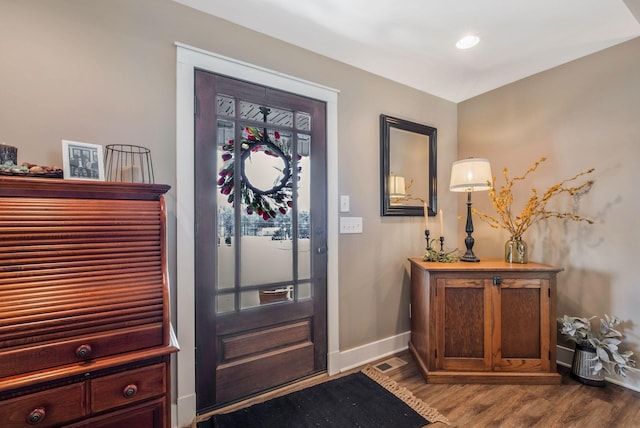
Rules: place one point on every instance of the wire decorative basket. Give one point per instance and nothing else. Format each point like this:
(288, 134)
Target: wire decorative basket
(128, 163)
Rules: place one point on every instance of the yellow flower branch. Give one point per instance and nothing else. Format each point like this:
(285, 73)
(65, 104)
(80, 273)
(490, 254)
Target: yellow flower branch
(536, 207)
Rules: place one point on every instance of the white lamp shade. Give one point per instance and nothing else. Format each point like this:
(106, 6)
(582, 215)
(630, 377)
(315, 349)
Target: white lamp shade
(470, 175)
(396, 186)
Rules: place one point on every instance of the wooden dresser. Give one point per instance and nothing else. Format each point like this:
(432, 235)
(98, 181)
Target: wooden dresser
(84, 305)
(486, 322)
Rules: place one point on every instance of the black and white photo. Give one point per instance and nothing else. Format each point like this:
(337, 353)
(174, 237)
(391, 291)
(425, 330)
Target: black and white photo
(82, 161)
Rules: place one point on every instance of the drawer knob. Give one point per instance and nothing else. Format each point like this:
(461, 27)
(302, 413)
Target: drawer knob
(36, 416)
(83, 351)
(129, 391)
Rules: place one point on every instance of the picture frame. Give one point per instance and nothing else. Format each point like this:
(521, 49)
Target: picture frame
(82, 161)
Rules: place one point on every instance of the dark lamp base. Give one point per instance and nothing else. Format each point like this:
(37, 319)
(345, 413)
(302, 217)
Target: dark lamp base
(469, 258)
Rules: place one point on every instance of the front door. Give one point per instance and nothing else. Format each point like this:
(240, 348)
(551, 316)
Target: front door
(260, 203)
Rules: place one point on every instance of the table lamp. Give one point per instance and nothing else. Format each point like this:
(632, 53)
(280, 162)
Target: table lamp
(470, 175)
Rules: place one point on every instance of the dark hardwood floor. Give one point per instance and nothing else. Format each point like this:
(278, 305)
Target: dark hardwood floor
(568, 405)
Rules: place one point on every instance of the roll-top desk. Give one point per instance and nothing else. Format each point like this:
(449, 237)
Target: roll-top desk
(84, 304)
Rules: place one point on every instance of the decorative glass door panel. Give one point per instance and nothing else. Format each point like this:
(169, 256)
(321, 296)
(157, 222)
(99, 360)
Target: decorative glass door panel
(264, 188)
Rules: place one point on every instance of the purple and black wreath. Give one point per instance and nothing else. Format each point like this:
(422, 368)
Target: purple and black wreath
(265, 203)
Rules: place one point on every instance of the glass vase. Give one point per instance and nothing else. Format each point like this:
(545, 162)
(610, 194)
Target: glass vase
(515, 250)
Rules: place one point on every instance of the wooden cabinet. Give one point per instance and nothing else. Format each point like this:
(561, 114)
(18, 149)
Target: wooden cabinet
(489, 322)
(84, 307)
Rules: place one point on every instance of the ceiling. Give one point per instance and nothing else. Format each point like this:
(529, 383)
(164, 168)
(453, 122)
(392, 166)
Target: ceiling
(413, 41)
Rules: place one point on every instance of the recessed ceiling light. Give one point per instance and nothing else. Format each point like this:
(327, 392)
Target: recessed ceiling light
(467, 42)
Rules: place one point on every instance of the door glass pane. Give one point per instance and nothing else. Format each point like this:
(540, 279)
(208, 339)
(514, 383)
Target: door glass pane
(225, 106)
(267, 246)
(225, 303)
(303, 121)
(304, 291)
(225, 220)
(251, 111)
(276, 295)
(304, 206)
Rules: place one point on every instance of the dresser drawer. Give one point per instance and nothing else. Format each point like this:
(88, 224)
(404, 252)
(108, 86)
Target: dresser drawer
(80, 349)
(44, 409)
(121, 389)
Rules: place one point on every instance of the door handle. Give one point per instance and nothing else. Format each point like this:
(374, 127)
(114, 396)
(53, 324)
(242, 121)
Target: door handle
(322, 249)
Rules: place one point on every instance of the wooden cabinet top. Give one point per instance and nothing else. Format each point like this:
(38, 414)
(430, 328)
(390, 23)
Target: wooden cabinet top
(483, 265)
(81, 189)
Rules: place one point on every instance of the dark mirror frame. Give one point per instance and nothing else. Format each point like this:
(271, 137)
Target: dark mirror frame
(386, 209)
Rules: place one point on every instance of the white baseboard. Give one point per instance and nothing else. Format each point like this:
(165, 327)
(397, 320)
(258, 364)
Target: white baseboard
(351, 358)
(174, 416)
(183, 413)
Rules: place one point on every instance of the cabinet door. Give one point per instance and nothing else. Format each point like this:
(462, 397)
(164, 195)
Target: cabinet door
(521, 339)
(463, 324)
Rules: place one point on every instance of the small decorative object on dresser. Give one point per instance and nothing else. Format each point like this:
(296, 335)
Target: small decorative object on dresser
(8, 153)
(128, 163)
(594, 352)
(533, 211)
(85, 336)
(82, 161)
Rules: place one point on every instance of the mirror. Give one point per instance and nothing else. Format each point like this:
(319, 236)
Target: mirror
(407, 167)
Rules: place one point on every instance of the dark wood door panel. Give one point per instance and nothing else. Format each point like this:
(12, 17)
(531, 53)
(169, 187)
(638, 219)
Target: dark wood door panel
(245, 377)
(463, 324)
(235, 323)
(520, 323)
(524, 335)
(264, 340)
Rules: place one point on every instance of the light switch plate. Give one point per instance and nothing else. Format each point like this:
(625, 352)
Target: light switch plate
(350, 225)
(344, 203)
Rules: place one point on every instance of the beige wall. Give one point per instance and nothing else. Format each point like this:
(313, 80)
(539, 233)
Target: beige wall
(104, 71)
(580, 115)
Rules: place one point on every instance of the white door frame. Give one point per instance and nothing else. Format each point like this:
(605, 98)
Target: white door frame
(189, 58)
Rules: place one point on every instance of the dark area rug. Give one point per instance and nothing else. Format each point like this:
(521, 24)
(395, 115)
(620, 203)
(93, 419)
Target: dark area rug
(365, 399)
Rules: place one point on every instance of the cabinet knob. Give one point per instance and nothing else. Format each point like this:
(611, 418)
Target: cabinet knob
(497, 280)
(83, 351)
(36, 416)
(129, 391)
